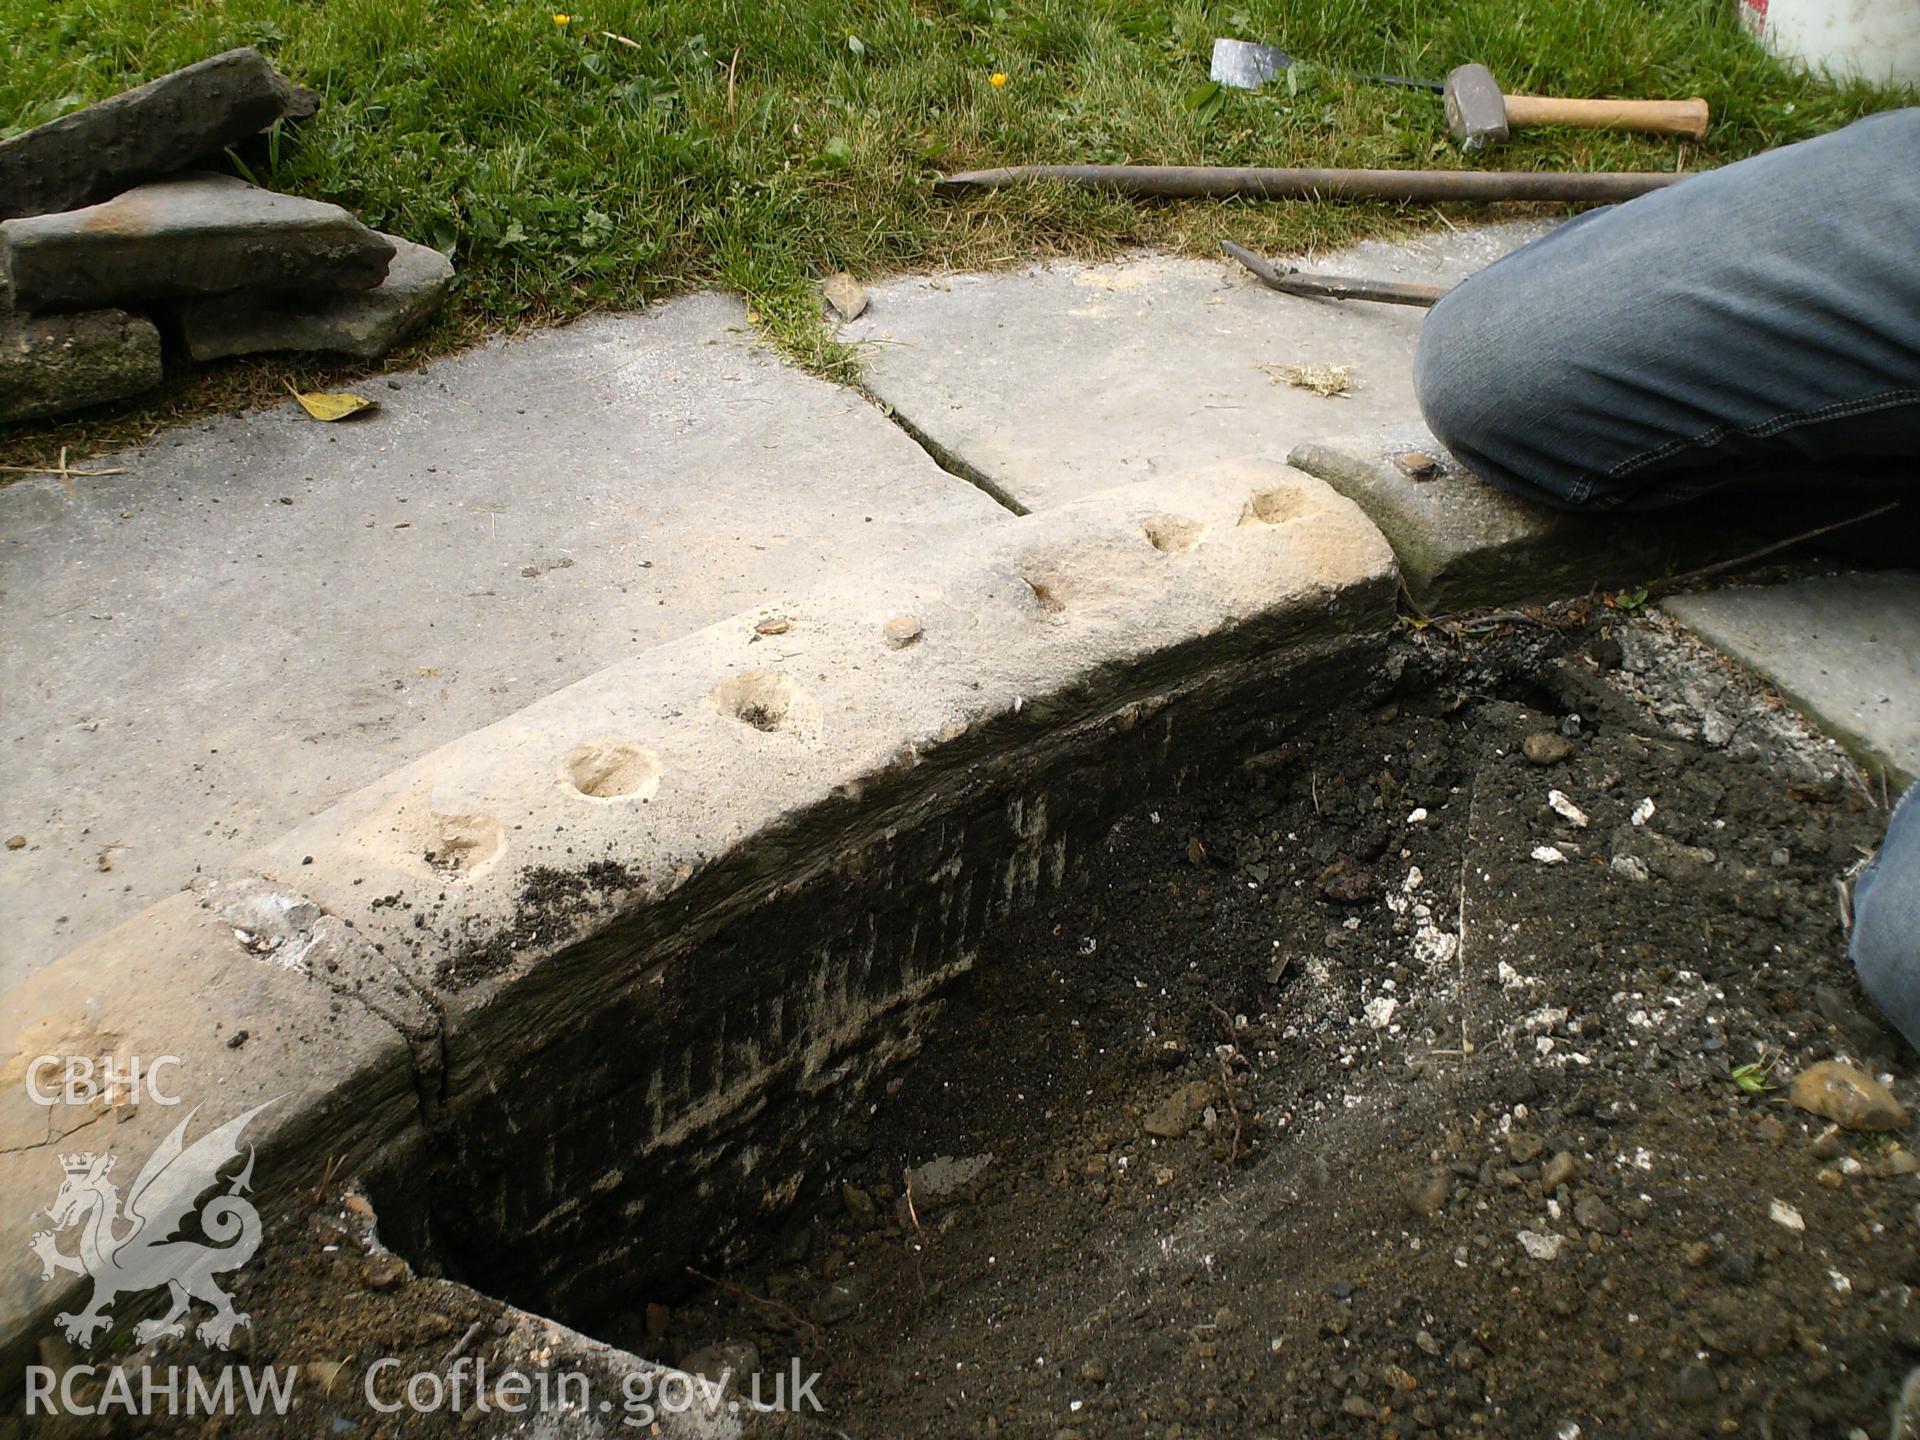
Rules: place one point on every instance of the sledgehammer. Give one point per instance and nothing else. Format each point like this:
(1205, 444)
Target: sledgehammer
(1478, 113)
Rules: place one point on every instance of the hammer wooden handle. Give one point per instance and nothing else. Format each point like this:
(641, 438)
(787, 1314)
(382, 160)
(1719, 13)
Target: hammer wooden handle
(1649, 117)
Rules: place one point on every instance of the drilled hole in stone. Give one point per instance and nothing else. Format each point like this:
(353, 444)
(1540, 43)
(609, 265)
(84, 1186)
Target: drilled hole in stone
(461, 844)
(1172, 533)
(1276, 505)
(768, 701)
(611, 770)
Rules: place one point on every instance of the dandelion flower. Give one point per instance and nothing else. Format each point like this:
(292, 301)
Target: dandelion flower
(998, 79)
(563, 19)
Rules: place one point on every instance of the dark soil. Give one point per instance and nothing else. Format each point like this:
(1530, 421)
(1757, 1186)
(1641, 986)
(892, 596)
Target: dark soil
(1335, 1244)
(1281, 1091)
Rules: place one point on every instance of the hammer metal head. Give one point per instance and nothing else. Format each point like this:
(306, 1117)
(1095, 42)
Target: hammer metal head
(1476, 110)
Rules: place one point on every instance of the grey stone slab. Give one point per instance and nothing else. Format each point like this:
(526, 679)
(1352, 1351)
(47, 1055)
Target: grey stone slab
(1463, 544)
(191, 235)
(53, 364)
(266, 612)
(361, 323)
(1061, 380)
(1843, 648)
(165, 125)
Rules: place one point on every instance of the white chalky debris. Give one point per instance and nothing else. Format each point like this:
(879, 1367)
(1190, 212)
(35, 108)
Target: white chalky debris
(1633, 867)
(1782, 1213)
(1548, 855)
(1542, 1246)
(1568, 811)
(1417, 815)
(1379, 1011)
(1642, 812)
(1841, 1284)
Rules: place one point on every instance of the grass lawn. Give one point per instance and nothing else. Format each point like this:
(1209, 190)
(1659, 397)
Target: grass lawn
(627, 150)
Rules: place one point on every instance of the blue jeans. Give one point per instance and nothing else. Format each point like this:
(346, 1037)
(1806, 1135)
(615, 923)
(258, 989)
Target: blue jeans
(1759, 323)
(1886, 922)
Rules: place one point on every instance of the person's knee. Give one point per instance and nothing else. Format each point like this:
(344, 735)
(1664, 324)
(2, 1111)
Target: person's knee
(1496, 375)
(1472, 378)
(1448, 379)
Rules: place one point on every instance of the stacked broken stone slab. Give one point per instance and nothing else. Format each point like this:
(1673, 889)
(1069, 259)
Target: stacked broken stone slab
(108, 239)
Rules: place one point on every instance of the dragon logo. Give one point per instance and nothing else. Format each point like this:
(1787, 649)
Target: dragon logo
(140, 1250)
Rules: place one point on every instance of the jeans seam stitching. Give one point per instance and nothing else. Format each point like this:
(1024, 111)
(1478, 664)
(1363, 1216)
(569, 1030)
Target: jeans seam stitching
(1766, 429)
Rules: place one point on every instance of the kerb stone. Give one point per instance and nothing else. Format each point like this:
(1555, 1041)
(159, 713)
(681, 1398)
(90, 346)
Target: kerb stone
(1463, 544)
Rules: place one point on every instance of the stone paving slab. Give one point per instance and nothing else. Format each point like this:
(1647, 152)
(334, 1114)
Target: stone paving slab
(265, 613)
(1061, 380)
(1844, 648)
(1463, 544)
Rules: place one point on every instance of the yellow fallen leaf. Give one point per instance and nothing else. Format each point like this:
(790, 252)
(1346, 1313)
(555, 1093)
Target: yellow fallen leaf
(333, 407)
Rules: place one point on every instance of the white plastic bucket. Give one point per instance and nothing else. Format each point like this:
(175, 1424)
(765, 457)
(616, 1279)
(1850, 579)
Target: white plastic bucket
(1877, 40)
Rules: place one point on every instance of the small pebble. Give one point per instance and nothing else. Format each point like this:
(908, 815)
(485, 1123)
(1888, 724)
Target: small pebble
(1564, 807)
(1633, 868)
(1524, 1147)
(1848, 1096)
(1541, 1246)
(1560, 1169)
(1546, 747)
(1782, 1213)
(1695, 1385)
(1590, 1212)
(847, 296)
(901, 631)
(1428, 1193)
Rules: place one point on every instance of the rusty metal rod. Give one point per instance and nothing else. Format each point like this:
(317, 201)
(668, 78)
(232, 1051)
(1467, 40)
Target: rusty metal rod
(1334, 287)
(1224, 182)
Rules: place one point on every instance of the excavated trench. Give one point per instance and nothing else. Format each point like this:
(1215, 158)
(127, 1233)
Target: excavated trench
(686, 1117)
(1244, 1068)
